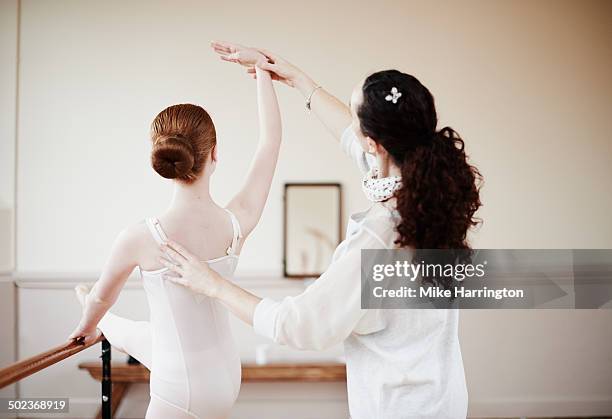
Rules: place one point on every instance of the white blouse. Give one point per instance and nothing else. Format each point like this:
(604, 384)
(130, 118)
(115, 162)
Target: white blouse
(400, 363)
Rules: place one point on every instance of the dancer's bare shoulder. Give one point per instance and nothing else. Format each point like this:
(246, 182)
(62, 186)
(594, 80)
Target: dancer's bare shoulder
(131, 241)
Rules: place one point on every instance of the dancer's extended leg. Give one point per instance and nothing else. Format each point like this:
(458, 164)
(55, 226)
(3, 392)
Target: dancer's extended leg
(129, 336)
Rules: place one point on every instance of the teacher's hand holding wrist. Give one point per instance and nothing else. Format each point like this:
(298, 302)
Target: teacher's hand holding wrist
(281, 69)
(193, 274)
(286, 72)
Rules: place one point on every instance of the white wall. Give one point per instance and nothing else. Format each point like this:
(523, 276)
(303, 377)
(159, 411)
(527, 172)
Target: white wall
(531, 99)
(8, 94)
(526, 83)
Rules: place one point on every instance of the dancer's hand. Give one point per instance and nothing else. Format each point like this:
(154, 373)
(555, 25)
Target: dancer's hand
(84, 336)
(195, 275)
(236, 53)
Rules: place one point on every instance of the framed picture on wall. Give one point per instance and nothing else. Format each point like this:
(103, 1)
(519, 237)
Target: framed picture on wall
(312, 227)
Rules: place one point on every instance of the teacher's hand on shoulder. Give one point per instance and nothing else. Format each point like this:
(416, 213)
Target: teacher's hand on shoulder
(193, 274)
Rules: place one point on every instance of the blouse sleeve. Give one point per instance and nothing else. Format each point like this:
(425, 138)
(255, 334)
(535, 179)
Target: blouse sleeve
(351, 147)
(327, 311)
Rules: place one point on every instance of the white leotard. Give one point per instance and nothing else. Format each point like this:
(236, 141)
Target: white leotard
(187, 344)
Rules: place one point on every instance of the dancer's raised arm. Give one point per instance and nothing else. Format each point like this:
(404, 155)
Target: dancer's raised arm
(249, 202)
(332, 112)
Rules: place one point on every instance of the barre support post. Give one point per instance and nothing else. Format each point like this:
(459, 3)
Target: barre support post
(106, 380)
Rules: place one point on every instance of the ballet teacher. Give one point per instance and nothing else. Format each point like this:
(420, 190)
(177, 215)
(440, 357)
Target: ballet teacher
(424, 193)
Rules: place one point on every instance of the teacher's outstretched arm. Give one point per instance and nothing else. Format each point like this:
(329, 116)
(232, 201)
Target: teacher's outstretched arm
(332, 112)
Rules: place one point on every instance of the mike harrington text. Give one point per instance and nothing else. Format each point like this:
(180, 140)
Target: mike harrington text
(457, 292)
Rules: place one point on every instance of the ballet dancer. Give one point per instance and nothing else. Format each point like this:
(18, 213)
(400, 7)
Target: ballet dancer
(187, 343)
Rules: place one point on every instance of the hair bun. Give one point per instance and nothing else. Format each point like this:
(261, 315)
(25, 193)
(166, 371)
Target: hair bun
(172, 156)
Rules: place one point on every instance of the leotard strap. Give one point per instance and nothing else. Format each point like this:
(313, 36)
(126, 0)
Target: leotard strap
(156, 230)
(160, 236)
(237, 233)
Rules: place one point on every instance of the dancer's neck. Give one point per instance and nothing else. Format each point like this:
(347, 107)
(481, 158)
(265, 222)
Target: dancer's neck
(196, 194)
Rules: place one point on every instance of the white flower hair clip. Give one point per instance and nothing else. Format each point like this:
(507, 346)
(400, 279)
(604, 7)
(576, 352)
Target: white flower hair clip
(394, 96)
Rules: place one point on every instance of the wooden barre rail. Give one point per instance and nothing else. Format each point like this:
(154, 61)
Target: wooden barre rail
(251, 373)
(29, 366)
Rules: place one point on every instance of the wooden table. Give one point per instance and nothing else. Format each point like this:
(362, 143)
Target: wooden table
(123, 375)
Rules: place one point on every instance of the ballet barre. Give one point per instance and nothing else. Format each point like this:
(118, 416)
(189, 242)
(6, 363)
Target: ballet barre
(24, 368)
(29, 366)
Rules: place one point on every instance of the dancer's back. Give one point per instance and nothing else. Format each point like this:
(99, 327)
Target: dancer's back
(195, 364)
